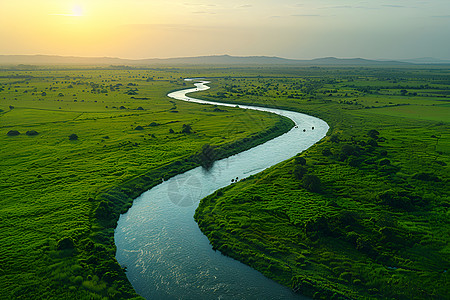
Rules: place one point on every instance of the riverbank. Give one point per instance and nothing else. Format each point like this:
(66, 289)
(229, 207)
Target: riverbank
(117, 201)
(359, 215)
(161, 243)
(52, 244)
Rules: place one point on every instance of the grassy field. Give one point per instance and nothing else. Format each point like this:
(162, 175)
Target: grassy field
(61, 197)
(365, 212)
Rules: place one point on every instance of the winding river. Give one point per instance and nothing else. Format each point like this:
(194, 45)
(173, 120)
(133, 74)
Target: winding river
(166, 254)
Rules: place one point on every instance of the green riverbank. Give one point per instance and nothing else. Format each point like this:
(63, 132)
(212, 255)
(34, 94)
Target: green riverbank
(363, 214)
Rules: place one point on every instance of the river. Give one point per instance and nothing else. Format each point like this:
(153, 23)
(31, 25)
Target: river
(164, 251)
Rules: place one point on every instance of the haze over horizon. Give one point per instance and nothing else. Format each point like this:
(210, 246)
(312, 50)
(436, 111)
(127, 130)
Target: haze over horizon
(295, 29)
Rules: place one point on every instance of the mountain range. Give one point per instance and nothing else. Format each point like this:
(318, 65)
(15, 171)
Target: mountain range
(208, 60)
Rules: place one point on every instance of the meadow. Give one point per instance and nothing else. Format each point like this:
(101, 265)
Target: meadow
(363, 214)
(76, 147)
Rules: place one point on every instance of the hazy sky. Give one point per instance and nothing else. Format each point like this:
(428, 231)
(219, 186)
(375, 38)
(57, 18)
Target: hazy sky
(172, 28)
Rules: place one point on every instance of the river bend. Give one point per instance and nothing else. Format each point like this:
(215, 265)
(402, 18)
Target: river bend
(166, 254)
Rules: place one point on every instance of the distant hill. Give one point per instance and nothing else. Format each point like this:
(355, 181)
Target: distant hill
(57, 60)
(426, 60)
(204, 60)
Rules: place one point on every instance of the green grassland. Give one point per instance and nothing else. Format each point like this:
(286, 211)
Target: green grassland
(365, 212)
(60, 198)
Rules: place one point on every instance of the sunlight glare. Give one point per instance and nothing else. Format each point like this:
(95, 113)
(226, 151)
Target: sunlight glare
(77, 11)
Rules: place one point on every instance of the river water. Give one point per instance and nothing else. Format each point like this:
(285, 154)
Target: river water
(166, 254)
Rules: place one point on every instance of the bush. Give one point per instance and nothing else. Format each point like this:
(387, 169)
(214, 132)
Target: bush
(299, 171)
(312, 183)
(139, 128)
(326, 152)
(186, 129)
(347, 149)
(73, 137)
(65, 243)
(395, 200)
(373, 134)
(207, 156)
(385, 162)
(300, 160)
(426, 177)
(13, 133)
(372, 143)
(334, 138)
(32, 132)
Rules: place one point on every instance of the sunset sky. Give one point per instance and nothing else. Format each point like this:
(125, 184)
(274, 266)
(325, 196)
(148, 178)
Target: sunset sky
(287, 28)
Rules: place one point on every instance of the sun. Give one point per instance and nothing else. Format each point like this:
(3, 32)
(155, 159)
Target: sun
(77, 11)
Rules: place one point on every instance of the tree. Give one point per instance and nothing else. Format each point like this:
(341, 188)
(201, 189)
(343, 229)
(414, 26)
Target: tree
(73, 137)
(373, 134)
(65, 243)
(186, 128)
(207, 156)
(32, 132)
(326, 152)
(300, 160)
(299, 171)
(13, 133)
(311, 183)
(334, 138)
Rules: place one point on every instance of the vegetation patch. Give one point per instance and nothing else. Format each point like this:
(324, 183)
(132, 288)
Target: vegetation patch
(61, 198)
(363, 214)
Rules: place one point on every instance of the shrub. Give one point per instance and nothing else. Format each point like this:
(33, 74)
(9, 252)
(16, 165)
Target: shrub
(207, 156)
(385, 162)
(372, 143)
(373, 134)
(326, 152)
(299, 171)
(32, 132)
(426, 177)
(395, 199)
(311, 183)
(300, 160)
(66, 243)
(13, 133)
(78, 280)
(334, 138)
(347, 149)
(353, 161)
(186, 129)
(73, 137)
(139, 128)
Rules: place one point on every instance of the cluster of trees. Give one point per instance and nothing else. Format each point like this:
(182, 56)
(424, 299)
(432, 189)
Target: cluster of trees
(301, 172)
(16, 133)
